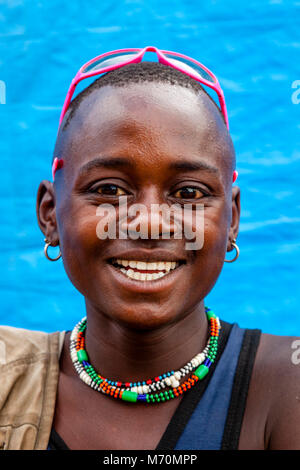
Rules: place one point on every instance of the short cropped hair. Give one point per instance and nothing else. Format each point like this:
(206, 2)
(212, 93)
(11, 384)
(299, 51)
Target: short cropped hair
(138, 73)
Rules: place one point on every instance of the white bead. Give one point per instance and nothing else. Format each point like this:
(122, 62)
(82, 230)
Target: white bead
(168, 381)
(174, 382)
(74, 356)
(145, 389)
(85, 377)
(177, 375)
(201, 357)
(140, 390)
(73, 335)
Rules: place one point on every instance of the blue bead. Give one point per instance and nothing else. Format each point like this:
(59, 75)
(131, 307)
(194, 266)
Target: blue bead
(207, 362)
(142, 397)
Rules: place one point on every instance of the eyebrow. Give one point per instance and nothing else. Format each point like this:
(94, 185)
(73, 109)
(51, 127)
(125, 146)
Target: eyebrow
(119, 162)
(187, 165)
(105, 162)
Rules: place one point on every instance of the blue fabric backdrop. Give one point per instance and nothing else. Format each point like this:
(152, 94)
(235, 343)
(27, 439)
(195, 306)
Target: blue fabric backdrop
(254, 49)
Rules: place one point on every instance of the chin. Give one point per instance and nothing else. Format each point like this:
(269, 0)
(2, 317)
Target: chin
(143, 319)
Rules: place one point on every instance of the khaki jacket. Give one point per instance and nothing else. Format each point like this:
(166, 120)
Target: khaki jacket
(29, 370)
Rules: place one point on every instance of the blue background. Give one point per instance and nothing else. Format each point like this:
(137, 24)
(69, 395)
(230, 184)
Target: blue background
(254, 49)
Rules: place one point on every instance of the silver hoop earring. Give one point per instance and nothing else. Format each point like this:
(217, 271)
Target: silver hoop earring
(237, 252)
(47, 244)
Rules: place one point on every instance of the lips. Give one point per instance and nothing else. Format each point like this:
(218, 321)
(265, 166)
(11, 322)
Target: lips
(145, 270)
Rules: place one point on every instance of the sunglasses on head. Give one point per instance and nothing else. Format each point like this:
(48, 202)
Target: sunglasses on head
(119, 58)
(115, 59)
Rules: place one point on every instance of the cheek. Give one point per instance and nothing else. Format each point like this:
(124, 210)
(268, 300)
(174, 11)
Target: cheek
(216, 236)
(79, 244)
(213, 235)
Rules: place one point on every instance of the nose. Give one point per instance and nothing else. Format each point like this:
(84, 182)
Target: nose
(151, 218)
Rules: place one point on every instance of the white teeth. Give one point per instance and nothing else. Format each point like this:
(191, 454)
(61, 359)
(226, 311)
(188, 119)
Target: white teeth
(153, 276)
(141, 265)
(124, 262)
(130, 273)
(136, 276)
(151, 266)
(163, 268)
(132, 264)
(168, 265)
(160, 265)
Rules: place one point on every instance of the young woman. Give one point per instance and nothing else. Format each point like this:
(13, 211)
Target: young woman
(151, 366)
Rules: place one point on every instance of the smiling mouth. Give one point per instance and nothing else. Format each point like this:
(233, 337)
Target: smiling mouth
(145, 271)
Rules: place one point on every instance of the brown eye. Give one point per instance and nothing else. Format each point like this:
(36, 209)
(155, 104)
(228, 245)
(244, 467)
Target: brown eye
(189, 193)
(110, 190)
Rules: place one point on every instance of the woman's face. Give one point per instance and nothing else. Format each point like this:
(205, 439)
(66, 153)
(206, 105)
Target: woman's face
(153, 144)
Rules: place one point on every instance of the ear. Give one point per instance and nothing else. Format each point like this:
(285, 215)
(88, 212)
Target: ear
(235, 220)
(46, 211)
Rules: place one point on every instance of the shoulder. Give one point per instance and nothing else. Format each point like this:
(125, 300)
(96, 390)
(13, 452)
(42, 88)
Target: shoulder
(19, 344)
(29, 371)
(276, 381)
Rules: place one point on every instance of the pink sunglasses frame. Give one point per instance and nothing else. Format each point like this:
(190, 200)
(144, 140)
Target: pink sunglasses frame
(138, 58)
(80, 75)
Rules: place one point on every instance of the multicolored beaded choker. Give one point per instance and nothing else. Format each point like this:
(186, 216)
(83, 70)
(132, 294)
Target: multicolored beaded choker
(168, 384)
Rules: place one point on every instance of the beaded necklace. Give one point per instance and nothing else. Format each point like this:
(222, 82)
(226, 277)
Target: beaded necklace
(144, 391)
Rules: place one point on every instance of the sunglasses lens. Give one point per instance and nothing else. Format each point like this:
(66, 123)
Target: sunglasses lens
(189, 67)
(108, 61)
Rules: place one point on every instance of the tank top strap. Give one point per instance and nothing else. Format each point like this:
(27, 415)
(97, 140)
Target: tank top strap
(210, 417)
(235, 414)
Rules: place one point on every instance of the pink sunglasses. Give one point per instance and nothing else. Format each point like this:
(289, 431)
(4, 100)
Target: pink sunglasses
(119, 58)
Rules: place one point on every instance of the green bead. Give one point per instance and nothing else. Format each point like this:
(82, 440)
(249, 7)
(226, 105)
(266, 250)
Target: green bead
(210, 314)
(127, 395)
(82, 355)
(201, 371)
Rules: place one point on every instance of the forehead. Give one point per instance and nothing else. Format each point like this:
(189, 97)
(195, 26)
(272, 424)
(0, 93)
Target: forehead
(148, 119)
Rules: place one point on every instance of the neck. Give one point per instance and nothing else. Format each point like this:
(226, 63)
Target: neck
(119, 352)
